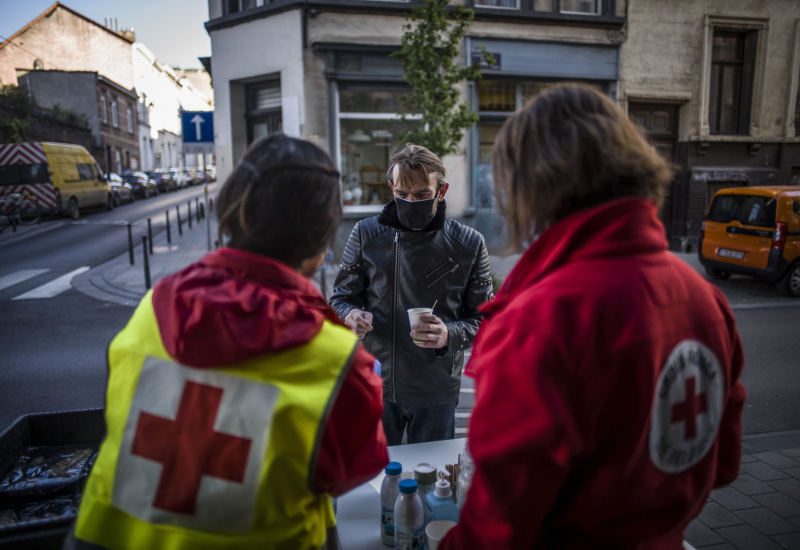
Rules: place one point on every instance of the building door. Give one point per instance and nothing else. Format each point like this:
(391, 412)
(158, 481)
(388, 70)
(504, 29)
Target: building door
(660, 124)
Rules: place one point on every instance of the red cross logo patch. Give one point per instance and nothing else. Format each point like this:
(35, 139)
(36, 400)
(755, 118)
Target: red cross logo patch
(687, 407)
(193, 447)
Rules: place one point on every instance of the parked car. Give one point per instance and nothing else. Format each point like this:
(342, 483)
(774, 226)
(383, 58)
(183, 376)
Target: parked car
(192, 178)
(121, 189)
(143, 187)
(164, 181)
(177, 175)
(211, 172)
(754, 231)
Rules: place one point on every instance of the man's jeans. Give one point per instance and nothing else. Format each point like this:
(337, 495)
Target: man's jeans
(423, 423)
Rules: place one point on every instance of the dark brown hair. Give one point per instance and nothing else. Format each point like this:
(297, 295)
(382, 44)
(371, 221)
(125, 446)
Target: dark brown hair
(571, 148)
(415, 159)
(283, 201)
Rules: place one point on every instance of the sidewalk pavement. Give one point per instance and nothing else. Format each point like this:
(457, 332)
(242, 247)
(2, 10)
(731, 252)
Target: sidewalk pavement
(759, 511)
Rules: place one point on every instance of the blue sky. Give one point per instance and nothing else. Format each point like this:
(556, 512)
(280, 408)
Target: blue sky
(172, 29)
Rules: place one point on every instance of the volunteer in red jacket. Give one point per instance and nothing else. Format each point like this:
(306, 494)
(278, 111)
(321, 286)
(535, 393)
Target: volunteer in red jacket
(608, 402)
(238, 403)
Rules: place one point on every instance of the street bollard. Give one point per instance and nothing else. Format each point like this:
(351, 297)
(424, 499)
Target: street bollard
(169, 234)
(178, 214)
(130, 243)
(150, 236)
(146, 263)
(189, 216)
(197, 208)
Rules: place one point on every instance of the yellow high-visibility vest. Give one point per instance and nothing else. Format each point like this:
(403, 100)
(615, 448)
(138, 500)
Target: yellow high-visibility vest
(212, 458)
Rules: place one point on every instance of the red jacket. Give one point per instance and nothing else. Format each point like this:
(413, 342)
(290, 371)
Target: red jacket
(233, 305)
(607, 396)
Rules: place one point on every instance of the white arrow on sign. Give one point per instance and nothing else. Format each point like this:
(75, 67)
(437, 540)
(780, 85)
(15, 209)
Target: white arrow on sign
(197, 120)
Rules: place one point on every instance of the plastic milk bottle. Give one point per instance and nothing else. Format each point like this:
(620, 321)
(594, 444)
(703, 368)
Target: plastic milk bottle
(409, 519)
(390, 488)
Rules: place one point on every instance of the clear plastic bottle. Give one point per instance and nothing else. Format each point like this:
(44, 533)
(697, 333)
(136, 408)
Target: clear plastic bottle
(440, 502)
(390, 488)
(409, 519)
(465, 471)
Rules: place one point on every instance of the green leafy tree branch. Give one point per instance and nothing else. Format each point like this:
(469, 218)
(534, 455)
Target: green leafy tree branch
(429, 49)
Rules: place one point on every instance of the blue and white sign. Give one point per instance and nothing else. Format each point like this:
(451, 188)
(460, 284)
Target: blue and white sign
(198, 132)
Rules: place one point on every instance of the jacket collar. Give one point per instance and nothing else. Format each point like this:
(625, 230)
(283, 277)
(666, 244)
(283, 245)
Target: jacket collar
(232, 305)
(389, 217)
(624, 227)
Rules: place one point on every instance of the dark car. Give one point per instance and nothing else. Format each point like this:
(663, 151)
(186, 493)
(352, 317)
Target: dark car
(142, 185)
(164, 181)
(121, 190)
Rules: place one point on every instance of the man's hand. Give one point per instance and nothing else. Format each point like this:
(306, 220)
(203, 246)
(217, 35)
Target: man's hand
(359, 322)
(431, 330)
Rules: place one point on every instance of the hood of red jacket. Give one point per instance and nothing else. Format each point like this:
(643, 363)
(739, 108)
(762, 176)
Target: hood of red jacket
(233, 305)
(620, 228)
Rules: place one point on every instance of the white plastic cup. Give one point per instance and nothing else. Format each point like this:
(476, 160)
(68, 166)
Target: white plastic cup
(413, 317)
(436, 530)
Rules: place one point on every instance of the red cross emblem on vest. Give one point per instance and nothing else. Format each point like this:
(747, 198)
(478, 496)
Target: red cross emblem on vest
(189, 448)
(688, 410)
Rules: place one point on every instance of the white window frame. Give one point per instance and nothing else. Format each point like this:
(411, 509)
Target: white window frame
(104, 107)
(114, 112)
(761, 27)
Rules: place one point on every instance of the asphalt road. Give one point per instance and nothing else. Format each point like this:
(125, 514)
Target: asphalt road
(52, 348)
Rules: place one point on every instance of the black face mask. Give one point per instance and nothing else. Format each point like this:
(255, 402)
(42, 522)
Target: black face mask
(415, 214)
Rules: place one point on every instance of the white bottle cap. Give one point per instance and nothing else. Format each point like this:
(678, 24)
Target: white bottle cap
(443, 489)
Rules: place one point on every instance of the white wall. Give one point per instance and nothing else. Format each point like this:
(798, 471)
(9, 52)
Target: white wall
(252, 50)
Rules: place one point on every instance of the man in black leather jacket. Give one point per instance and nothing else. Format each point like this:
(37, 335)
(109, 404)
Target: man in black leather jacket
(411, 256)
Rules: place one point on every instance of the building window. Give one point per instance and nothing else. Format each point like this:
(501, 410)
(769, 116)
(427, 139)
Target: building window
(235, 6)
(118, 161)
(506, 4)
(130, 120)
(368, 127)
(114, 112)
(104, 107)
(731, 91)
(797, 107)
(584, 7)
(263, 109)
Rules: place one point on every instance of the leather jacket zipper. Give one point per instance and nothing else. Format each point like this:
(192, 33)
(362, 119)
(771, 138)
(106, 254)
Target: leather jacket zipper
(394, 315)
(449, 260)
(443, 275)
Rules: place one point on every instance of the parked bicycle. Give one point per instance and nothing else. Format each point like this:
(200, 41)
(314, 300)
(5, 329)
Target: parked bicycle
(18, 211)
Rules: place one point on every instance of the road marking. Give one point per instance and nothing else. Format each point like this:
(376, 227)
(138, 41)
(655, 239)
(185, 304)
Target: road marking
(467, 390)
(463, 415)
(19, 276)
(463, 431)
(54, 287)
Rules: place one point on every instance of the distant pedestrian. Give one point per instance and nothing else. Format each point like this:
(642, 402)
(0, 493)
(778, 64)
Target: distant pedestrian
(238, 403)
(608, 401)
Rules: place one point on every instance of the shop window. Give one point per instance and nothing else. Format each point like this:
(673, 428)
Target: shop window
(369, 129)
(497, 96)
(263, 109)
(732, 68)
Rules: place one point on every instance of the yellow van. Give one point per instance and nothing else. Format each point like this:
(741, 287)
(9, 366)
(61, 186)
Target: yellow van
(62, 178)
(754, 231)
